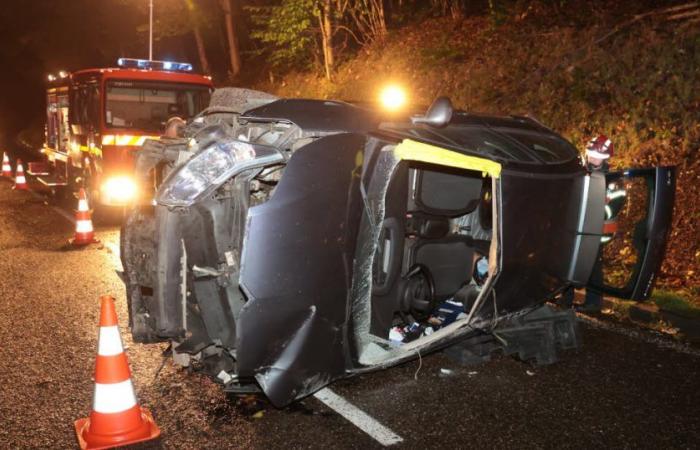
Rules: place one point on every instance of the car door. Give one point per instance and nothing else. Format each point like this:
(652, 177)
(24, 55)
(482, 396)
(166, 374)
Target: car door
(638, 213)
(296, 271)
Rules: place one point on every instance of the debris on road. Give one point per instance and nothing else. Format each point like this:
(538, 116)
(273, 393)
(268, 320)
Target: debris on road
(446, 372)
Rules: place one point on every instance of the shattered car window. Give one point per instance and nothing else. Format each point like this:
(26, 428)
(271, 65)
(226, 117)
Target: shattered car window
(476, 140)
(550, 148)
(502, 143)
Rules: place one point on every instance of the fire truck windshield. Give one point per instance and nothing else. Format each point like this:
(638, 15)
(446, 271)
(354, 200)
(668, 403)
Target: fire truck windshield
(146, 106)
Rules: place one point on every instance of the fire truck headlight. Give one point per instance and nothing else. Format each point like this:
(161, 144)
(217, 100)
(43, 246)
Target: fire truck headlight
(118, 190)
(210, 167)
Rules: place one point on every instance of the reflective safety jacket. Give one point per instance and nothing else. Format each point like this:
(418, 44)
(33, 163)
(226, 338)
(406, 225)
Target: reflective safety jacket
(614, 202)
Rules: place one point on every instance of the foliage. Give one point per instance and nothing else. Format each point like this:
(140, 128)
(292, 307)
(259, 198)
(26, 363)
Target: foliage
(497, 11)
(292, 37)
(287, 31)
(452, 8)
(367, 17)
(675, 302)
(172, 18)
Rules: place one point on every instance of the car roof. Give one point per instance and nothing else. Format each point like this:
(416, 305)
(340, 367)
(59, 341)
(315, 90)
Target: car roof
(316, 115)
(517, 122)
(519, 138)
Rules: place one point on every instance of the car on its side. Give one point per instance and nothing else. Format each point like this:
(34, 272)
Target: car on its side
(294, 242)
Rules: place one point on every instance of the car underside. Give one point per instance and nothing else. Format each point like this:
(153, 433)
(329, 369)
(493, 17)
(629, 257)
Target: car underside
(291, 243)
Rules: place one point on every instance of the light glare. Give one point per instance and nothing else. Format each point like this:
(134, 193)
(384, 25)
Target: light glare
(393, 97)
(118, 190)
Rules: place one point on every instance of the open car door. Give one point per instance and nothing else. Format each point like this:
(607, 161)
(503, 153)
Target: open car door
(638, 212)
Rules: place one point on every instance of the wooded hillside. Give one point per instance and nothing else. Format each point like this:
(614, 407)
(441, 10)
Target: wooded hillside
(631, 72)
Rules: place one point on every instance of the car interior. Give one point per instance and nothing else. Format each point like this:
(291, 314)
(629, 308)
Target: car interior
(436, 228)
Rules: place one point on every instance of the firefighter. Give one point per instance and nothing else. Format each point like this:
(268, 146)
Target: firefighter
(598, 151)
(174, 127)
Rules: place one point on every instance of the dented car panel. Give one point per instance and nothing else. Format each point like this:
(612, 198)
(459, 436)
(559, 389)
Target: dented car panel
(302, 241)
(299, 297)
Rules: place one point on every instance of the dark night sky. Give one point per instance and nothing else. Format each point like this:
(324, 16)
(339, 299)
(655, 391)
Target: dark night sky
(38, 37)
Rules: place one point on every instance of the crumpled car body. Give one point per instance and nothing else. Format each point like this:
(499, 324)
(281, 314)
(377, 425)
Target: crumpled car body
(289, 239)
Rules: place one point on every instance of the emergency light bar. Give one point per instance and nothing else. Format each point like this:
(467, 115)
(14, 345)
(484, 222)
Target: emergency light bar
(61, 75)
(132, 63)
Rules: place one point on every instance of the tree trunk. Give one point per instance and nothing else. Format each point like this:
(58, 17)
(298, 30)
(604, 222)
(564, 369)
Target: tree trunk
(234, 55)
(326, 38)
(200, 49)
(381, 18)
(456, 9)
(199, 40)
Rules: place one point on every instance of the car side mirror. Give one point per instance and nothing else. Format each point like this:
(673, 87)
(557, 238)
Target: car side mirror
(439, 114)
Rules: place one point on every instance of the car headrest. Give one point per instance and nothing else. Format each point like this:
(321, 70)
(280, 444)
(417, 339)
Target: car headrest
(447, 193)
(427, 227)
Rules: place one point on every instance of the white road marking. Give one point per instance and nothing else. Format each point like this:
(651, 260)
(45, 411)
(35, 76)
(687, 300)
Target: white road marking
(359, 418)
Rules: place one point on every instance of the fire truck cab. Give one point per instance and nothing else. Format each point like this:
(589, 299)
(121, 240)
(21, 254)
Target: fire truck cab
(98, 118)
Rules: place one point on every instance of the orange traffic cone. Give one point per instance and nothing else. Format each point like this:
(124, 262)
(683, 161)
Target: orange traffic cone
(6, 168)
(84, 232)
(20, 181)
(116, 418)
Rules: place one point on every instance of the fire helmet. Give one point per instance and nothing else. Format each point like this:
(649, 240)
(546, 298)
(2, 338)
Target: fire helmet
(600, 147)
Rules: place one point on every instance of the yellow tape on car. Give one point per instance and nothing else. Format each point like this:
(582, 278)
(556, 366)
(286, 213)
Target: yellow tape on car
(431, 154)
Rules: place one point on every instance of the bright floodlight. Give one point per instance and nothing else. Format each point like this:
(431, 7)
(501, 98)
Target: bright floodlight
(393, 97)
(118, 190)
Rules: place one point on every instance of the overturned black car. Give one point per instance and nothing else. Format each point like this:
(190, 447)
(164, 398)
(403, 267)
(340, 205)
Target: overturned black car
(287, 243)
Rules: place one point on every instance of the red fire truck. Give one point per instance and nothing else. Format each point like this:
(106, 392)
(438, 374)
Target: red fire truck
(97, 118)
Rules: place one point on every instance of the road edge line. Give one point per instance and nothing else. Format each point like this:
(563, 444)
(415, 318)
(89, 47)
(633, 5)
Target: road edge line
(359, 418)
(63, 214)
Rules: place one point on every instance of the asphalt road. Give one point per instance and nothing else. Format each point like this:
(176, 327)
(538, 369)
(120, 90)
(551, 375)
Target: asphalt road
(616, 391)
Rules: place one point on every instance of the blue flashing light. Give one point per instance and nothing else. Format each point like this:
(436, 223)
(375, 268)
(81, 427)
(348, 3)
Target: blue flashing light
(154, 65)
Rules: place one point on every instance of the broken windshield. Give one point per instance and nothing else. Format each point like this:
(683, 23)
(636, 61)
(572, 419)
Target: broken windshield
(548, 147)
